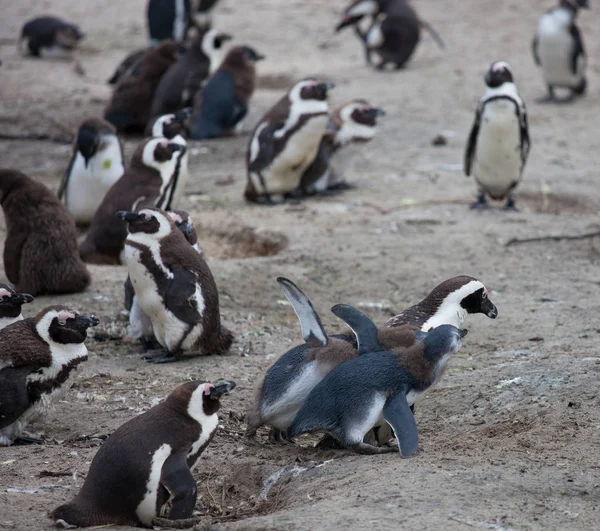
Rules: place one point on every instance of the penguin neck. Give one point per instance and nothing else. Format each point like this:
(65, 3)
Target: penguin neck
(352, 131)
(5, 320)
(507, 89)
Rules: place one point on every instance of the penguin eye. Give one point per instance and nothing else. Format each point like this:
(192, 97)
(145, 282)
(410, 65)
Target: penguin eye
(62, 323)
(147, 217)
(484, 295)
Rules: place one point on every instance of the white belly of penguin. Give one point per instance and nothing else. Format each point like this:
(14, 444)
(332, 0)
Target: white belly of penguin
(146, 511)
(140, 325)
(373, 417)
(284, 173)
(555, 48)
(498, 152)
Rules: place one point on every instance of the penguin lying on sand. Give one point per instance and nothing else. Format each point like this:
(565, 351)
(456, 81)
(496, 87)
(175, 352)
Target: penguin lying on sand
(10, 305)
(174, 287)
(96, 164)
(393, 33)
(37, 356)
(147, 462)
(498, 145)
(558, 49)
(351, 399)
(222, 104)
(47, 36)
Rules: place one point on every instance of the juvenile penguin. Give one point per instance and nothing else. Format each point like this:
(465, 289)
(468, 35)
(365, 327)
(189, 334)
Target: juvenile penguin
(140, 325)
(393, 33)
(129, 108)
(353, 122)
(10, 305)
(147, 462)
(37, 356)
(180, 83)
(49, 36)
(174, 287)
(168, 19)
(152, 179)
(286, 141)
(558, 49)
(499, 144)
(96, 164)
(40, 251)
(126, 65)
(374, 387)
(283, 388)
(222, 104)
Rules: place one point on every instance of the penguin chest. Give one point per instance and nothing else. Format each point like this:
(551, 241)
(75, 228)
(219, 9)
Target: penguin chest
(497, 165)
(362, 422)
(555, 51)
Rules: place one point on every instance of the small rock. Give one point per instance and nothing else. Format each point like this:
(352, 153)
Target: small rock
(439, 140)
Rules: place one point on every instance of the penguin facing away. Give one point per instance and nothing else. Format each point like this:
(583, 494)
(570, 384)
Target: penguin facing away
(40, 251)
(222, 104)
(174, 286)
(498, 145)
(49, 36)
(286, 141)
(96, 164)
(10, 305)
(150, 180)
(147, 462)
(558, 49)
(168, 19)
(357, 395)
(37, 356)
(125, 65)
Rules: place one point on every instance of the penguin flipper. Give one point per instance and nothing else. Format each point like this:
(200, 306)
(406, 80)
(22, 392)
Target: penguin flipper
(129, 294)
(13, 249)
(534, 49)
(577, 49)
(398, 415)
(14, 400)
(312, 328)
(525, 142)
(364, 329)
(472, 142)
(65, 180)
(180, 296)
(177, 478)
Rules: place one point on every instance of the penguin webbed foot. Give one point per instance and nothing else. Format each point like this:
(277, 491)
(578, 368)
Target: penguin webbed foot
(277, 436)
(148, 345)
(329, 443)
(368, 449)
(510, 206)
(337, 188)
(548, 98)
(27, 440)
(481, 203)
(162, 357)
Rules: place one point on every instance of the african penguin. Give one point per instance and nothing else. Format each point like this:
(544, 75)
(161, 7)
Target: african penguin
(174, 287)
(168, 19)
(498, 145)
(353, 122)
(558, 49)
(96, 164)
(286, 141)
(49, 36)
(152, 179)
(10, 305)
(283, 388)
(393, 32)
(40, 251)
(146, 463)
(180, 83)
(37, 356)
(221, 105)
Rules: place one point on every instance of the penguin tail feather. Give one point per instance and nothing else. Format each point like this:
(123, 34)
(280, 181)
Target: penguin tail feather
(70, 514)
(222, 342)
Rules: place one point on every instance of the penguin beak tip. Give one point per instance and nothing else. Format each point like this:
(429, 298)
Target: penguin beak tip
(463, 332)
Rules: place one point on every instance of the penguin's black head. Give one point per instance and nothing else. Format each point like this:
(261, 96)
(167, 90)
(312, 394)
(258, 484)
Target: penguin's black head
(200, 399)
(443, 341)
(311, 89)
(363, 113)
(87, 142)
(575, 4)
(60, 324)
(498, 74)
(479, 302)
(11, 302)
(220, 38)
(357, 11)
(149, 221)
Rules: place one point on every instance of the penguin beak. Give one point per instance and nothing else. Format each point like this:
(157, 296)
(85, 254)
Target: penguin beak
(220, 388)
(17, 299)
(185, 227)
(373, 113)
(129, 217)
(489, 309)
(463, 332)
(258, 57)
(326, 86)
(347, 21)
(221, 38)
(86, 321)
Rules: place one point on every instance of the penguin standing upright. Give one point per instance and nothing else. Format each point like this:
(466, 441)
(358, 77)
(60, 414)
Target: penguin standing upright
(47, 36)
(96, 164)
(147, 462)
(222, 104)
(168, 19)
(174, 286)
(558, 49)
(499, 144)
(150, 180)
(286, 141)
(37, 356)
(180, 83)
(10, 305)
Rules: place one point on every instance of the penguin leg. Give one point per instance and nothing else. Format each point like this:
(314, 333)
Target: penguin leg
(177, 478)
(277, 436)
(481, 203)
(510, 204)
(149, 344)
(368, 449)
(549, 97)
(163, 357)
(329, 443)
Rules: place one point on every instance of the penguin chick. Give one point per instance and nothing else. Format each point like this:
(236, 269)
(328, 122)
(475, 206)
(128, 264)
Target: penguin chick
(180, 83)
(96, 164)
(152, 179)
(147, 462)
(499, 144)
(140, 325)
(129, 108)
(393, 33)
(174, 286)
(354, 397)
(352, 122)
(558, 50)
(37, 356)
(286, 141)
(168, 19)
(283, 388)
(126, 65)
(40, 251)
(222, 104)
(49, 36)
(10, 305)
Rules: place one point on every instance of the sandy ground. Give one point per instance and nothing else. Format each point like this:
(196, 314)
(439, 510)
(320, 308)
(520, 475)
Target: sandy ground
(510, 438)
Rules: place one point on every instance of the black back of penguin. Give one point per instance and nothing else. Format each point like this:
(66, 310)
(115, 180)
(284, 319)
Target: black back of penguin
(168, 19)
(47, 33)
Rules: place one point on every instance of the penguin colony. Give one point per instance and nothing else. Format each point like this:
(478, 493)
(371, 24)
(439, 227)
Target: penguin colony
(357, 388)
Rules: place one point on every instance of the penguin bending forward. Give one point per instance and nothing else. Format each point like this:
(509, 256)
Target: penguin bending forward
(147, 462)
(49, 36)
(498, 145)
